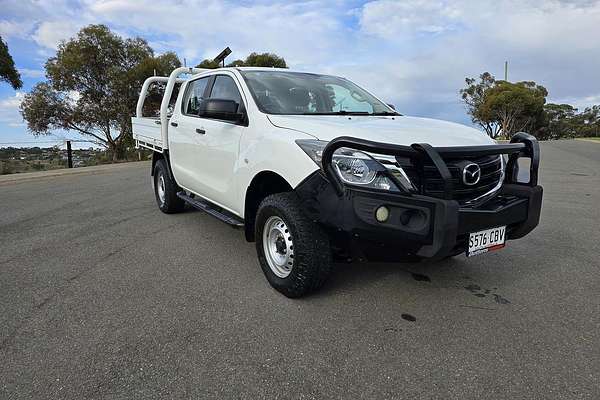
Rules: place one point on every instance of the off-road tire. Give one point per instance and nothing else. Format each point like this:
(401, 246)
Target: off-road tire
(311, 249)
(170, 203)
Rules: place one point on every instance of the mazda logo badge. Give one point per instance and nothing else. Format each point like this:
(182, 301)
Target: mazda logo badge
(471, 174)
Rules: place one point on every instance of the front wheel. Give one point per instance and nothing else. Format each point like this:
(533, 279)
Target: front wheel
(293, 251)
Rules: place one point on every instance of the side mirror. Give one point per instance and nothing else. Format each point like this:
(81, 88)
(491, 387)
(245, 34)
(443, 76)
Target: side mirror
(393, 107)
(220, 109)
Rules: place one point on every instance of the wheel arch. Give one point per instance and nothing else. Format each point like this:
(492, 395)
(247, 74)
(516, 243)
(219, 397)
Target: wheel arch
(156, 156)
(264, 184)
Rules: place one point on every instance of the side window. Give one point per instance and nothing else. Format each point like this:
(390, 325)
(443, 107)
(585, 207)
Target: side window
(224, 88)
(194, 95)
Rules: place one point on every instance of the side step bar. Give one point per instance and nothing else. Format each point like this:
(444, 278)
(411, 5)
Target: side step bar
(212, 209)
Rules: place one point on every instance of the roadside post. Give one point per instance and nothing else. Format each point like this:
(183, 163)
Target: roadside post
(69, 155)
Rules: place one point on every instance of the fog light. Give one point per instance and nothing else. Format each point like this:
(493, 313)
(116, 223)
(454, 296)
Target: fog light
(382, 214)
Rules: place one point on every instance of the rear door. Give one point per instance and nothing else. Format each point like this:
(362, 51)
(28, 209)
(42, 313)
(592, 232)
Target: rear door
(184, 141)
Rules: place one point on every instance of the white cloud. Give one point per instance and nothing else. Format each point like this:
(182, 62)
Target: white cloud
(580, 103)
(301, 32)
(50, 33)
(394, 19)
(9, 110)
(13, 29)
(549, 42)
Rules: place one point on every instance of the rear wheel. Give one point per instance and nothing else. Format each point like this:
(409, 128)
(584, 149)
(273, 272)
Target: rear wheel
(293, 251)
(165, 190)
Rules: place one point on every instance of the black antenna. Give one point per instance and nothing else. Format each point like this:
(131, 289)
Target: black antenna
(222, 55)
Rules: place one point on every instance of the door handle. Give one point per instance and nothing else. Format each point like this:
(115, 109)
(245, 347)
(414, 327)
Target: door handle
(157, 122)
(174, 124)
(200, 131)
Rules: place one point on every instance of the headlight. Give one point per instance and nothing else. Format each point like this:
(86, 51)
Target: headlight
(357, 168)
(354, 167)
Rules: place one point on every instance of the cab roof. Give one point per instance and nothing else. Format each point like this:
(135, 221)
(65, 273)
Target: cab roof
(266, 69)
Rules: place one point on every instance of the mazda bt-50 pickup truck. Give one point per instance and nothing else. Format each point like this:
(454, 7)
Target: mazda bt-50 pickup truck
(310, 166)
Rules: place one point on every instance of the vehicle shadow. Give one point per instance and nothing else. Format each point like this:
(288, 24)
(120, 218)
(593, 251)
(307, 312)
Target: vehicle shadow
(364, 273)
(462, 277)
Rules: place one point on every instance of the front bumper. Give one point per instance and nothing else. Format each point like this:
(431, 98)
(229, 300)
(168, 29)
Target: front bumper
(419, 225)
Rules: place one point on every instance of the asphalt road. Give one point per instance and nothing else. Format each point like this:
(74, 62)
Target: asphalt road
(103, 296)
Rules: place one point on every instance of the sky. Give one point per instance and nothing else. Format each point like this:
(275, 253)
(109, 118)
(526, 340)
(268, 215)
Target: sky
(414, 54)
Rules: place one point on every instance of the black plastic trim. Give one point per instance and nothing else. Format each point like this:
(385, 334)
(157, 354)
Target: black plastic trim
(533, 153)
(212, 209)
(441, 166)
(164, 155)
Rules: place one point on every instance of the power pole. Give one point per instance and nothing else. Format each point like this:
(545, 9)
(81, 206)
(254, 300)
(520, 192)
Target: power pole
(506, 71)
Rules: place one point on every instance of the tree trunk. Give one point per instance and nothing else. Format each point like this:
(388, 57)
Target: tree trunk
(113, 149)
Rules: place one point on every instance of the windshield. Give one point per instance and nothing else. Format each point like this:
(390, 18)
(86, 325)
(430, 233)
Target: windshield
(294, 93)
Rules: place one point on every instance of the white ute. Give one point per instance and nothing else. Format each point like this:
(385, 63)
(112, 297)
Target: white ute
(312, 166)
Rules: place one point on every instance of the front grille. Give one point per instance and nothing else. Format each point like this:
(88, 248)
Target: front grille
(428, 181)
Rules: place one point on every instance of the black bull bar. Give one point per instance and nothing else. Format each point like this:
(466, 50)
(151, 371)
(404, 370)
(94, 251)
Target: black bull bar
(521, 145)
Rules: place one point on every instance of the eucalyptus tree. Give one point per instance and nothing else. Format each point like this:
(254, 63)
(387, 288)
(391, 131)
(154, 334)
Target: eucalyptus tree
(92, 87)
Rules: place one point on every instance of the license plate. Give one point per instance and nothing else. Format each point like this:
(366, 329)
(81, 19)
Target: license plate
(484, 241)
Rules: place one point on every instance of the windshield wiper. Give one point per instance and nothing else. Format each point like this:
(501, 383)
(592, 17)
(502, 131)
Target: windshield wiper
(341, 112)
(386, 113)
(345, 112)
